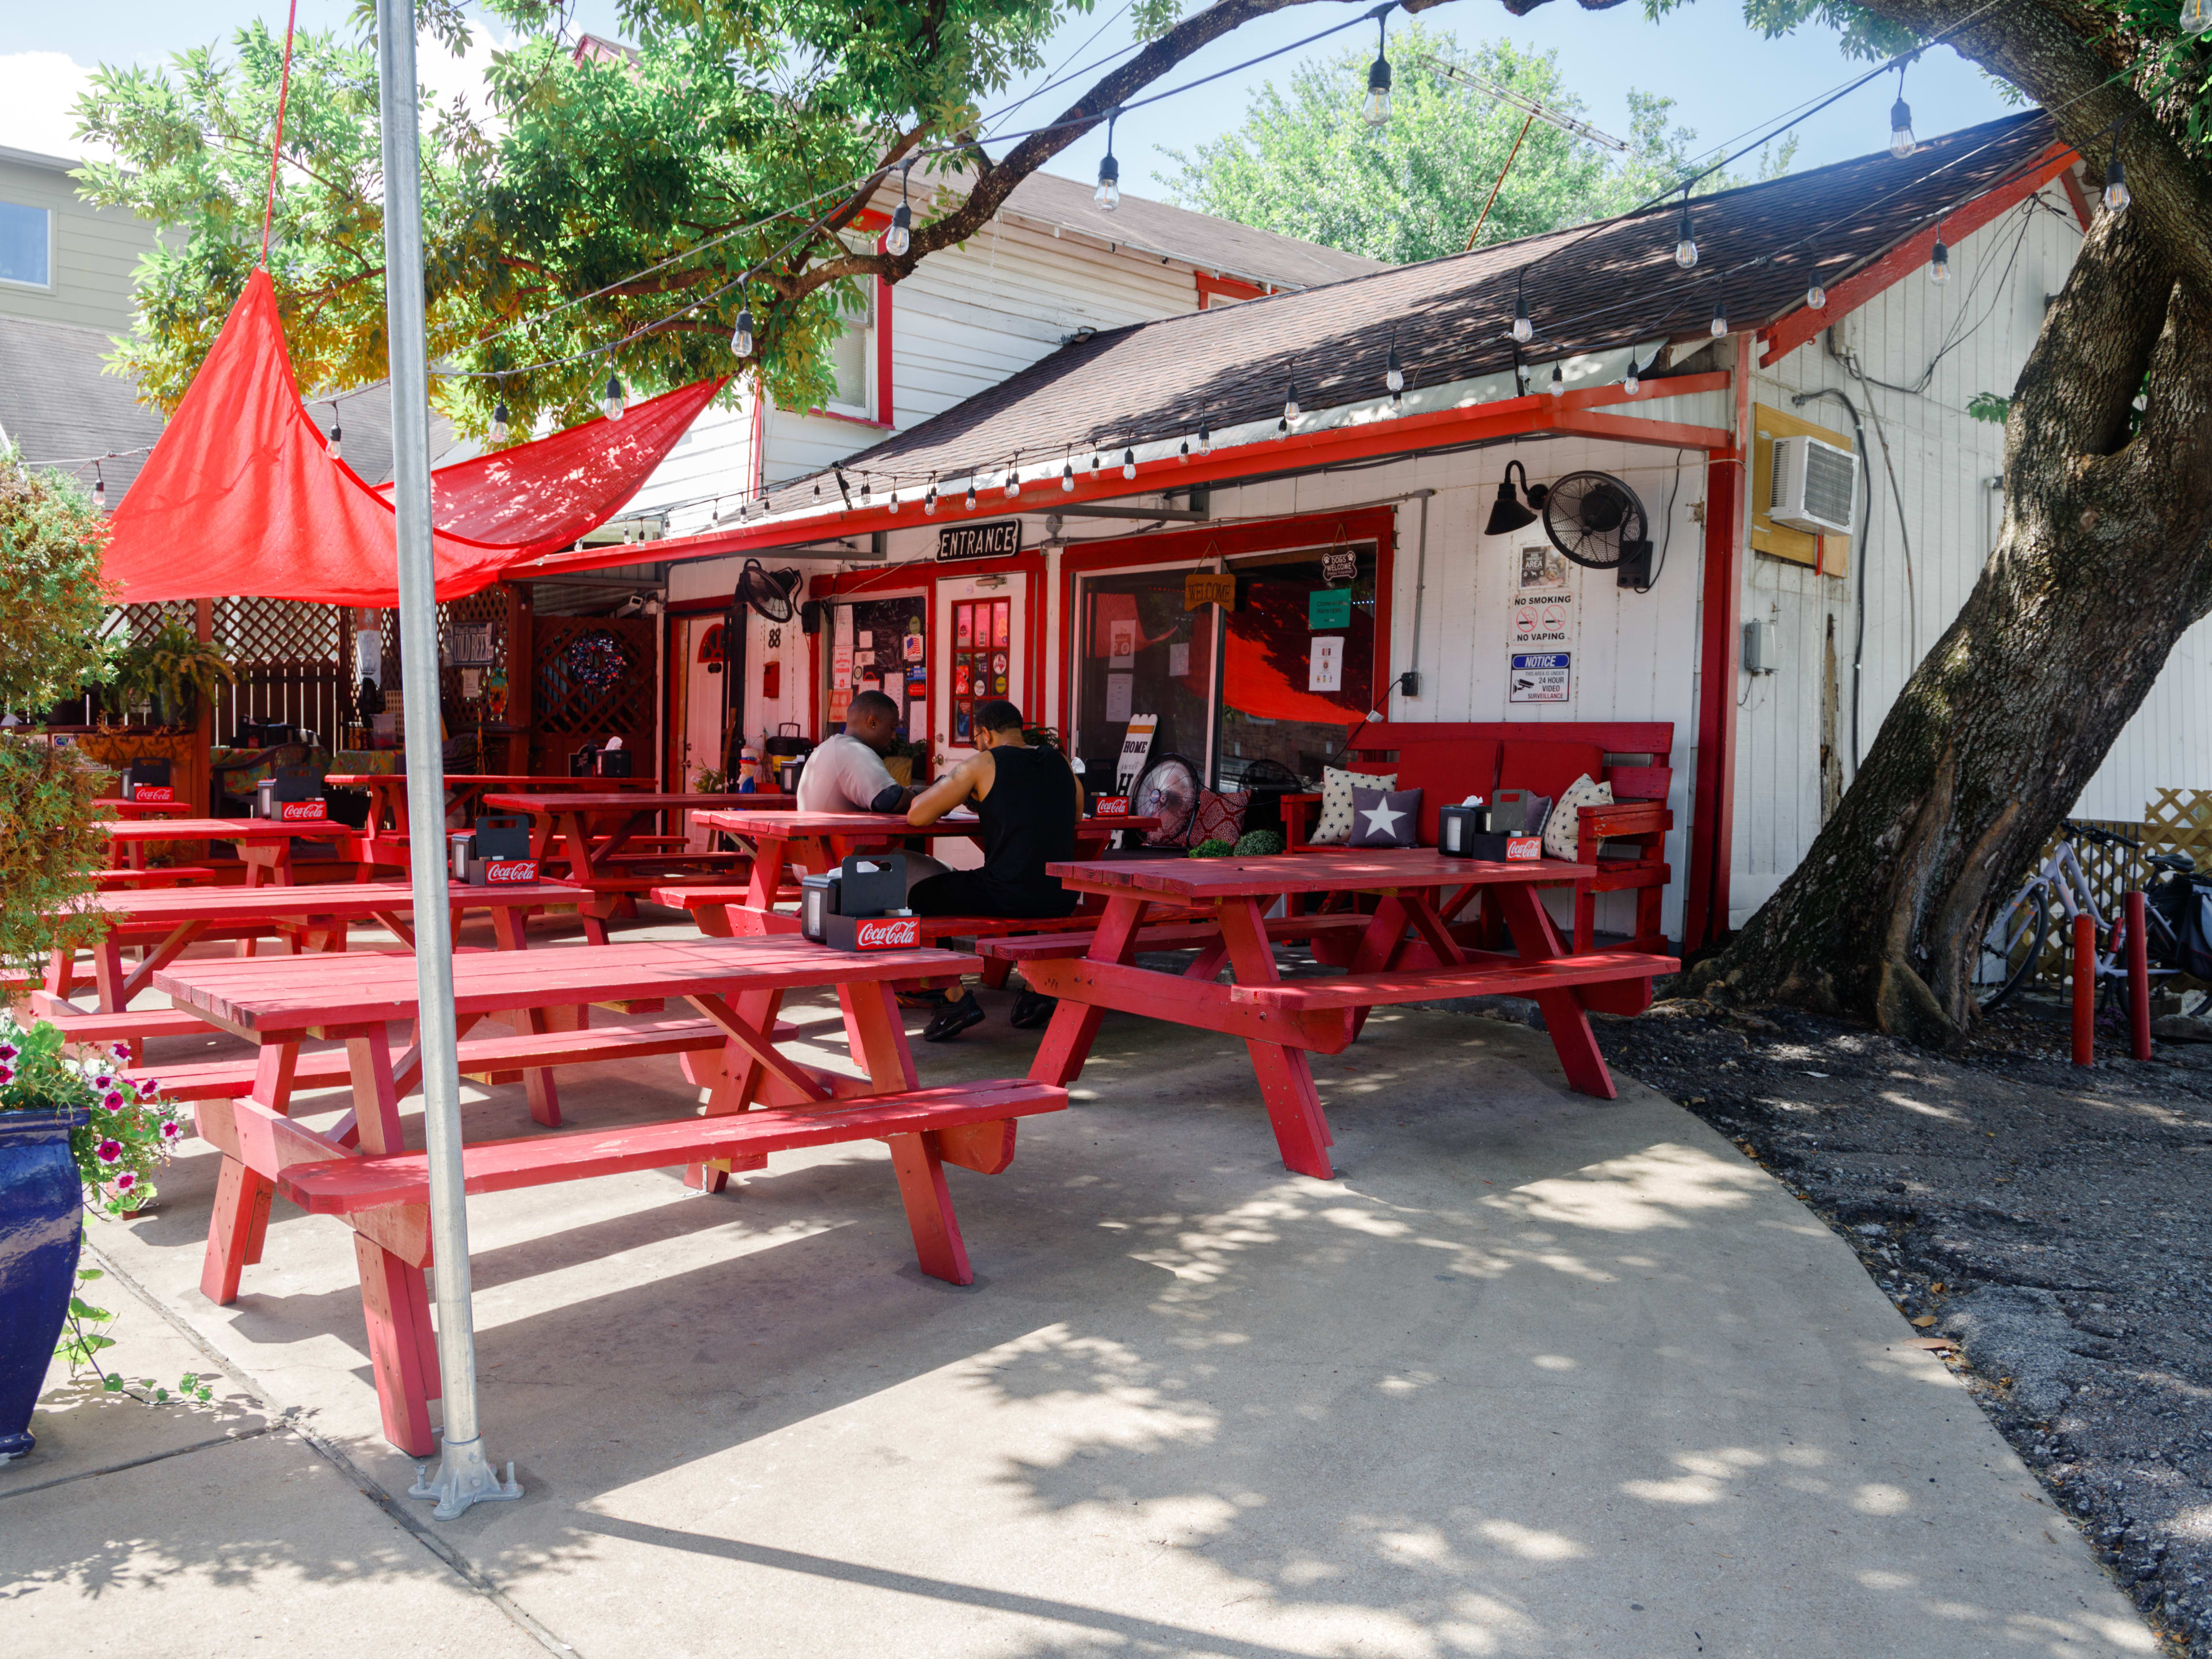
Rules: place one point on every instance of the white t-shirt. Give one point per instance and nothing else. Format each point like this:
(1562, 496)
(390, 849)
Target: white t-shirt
(843, 775)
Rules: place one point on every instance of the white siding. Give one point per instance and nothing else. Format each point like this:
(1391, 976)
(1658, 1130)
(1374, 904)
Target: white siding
(93, 255)
(1944, 463)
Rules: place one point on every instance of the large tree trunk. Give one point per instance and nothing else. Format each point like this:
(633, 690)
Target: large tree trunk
(2104, 561)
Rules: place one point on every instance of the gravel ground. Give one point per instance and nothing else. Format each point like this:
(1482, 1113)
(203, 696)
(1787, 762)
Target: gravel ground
(2054, 1224)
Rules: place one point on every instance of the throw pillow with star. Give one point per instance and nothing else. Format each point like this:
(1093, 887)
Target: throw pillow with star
(1563, 832)
(1384, 818)
(1335, 824)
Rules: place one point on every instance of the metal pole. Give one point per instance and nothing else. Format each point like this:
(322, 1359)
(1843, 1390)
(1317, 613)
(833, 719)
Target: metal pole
(464, 1477)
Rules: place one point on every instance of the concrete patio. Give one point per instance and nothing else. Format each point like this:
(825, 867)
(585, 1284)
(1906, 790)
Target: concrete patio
(1538, 1375)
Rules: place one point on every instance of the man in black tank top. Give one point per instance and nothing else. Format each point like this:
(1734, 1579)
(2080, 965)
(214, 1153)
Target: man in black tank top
(1029, 800)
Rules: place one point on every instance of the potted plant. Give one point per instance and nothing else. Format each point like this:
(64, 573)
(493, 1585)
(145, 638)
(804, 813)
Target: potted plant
(74, 1131)
(165, 671)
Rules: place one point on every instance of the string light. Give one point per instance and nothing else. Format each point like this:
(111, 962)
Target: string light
(1720, 315)
(929, 498)
(1394, 373)
(337, 435)
(1632, 382)
(1816, 297)
(1686, 245)
(612, 404)
(1901, 141)
(2116, 197)
(1182, 454)
(895, 499)
(900, 236)
(1094, 466)
(1205, 434)
(1939, 261)
(1377, 111)
(1067, 476)
(1559, 381)
(971, 492)
(1128, 462)
(741, 339)
(1523, 329)
(1014, 483)
(1108, 195)
(99, 490)
(1290, 411)
(864, 489)
(498, 431)
(2197, 18)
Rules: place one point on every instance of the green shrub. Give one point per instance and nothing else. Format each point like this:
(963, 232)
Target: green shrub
(1213, 849)
(1259, 843)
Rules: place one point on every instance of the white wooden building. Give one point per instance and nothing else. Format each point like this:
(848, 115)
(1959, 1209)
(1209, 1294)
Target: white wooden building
(1192, 402)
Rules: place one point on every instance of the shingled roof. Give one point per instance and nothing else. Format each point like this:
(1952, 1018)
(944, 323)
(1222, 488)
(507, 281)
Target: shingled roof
(1589, 289)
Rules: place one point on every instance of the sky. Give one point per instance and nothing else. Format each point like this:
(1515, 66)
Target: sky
(1725, 79)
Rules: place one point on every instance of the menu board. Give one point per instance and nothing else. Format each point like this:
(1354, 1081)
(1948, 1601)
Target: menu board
(982, 647)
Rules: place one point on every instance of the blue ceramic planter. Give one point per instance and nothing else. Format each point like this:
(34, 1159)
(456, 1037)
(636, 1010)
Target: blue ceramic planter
(41, 1229)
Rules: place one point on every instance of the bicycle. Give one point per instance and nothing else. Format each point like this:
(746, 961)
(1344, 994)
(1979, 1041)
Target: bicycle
(2014, 942)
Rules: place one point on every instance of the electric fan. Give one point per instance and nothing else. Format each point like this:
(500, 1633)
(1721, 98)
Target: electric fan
(1167, 790)
(770, 593)
(1595, 519)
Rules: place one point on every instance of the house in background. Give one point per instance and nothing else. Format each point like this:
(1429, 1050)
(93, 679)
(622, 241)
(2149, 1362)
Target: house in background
(1377, 581)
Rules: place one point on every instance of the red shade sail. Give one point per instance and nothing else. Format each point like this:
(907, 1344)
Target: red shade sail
(242, 496)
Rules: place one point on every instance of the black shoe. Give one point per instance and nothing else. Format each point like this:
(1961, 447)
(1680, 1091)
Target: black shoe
(957, 1017)
(1032, 1010)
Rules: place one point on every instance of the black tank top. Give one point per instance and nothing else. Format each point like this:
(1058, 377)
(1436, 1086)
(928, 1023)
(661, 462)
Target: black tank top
(1029, 822)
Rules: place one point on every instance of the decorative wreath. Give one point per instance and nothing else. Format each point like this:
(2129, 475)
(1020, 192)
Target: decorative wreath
(596, 661)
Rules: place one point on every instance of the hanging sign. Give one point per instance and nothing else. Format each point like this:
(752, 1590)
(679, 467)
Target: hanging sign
(472, 645)
(1136, 748)
(1339, 564)
(1204, 587)
(1328, 607)
(1000, 538)
(1541, 677)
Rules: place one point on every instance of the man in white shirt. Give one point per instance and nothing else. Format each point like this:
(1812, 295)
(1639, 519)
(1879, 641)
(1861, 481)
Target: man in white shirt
(847, 774)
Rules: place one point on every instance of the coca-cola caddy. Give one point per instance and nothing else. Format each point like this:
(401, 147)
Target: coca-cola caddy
(887, 933)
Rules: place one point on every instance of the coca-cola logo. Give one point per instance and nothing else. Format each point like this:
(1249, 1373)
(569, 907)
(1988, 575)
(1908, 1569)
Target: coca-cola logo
(886, 934)
(296, 811)
(507, 872)
(157, 792)
(1524, 847)
(1112, 806)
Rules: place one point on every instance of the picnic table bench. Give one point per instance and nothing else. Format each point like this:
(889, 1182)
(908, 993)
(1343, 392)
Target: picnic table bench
(588, 837)
(114, 806)
(1404, 951)
(786, 845)
(363, 1173)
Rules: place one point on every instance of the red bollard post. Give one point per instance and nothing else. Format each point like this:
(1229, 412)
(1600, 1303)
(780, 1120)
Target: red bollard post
(2085, 990)
(2138, 978)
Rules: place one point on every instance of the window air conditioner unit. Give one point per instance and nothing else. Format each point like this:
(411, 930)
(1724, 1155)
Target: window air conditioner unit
(1815, 488)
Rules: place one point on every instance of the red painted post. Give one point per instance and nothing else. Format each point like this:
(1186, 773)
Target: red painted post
(2085, 990)
(2138, 978)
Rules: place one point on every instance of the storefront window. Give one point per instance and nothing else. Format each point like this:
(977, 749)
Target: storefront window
(1139, 652)
(1298, 664)
(881, 645)
(1297, 659)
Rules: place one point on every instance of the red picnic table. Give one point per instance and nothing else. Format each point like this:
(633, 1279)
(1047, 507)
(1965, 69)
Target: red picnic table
(1405, 951)
(164, 922)
(265, 845)
(589, 833)
(386, 835)
(760, 1101)
(786, 845)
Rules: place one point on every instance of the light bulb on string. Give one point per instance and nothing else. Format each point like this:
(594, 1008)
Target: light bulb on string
(1902, 143)
(1632, 382)
(2116, 197)
(1128, 462)
(1205, 434)
(893, 505)
(1816, 297)
(900, 237)
(1523, 329)
(864, 489)
(612, 403)
(1720, 315)
(2197, 18)
(1377, 112)
(498, 431)
(929, 497)
(1014, 483)
(1559, 381)
(1182, 452)
(1067, 476)
(337, 435)
(1094, 466)
(1108, 195)
(1686, 245)
(99, 490)
(1393, 372)
(1290, 411)
(971, 493)
(741, 338)
(1939, 262)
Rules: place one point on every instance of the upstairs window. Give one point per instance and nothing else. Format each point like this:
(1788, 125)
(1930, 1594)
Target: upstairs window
(26, 245)
(853, 361)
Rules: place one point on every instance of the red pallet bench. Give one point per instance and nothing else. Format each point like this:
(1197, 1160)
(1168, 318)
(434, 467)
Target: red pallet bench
(1447, 763)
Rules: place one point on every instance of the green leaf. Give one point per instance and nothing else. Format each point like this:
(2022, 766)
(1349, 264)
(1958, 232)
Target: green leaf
(84, 1309)
(112, 1383)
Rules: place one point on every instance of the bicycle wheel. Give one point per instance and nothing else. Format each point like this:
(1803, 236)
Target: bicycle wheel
(2013, 945)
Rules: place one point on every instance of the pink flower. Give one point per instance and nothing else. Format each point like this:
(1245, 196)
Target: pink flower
(125, 1181)
(7, 1074)
(111, 1151)
(103, 1081)
(145, 1087)
(173, 1131)
(9, 1051)
(121, 1051)
(114, 1101)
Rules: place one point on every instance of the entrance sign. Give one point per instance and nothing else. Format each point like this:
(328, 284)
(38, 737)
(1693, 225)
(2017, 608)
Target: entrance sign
(1541, 677)
(1000, 538)
(1136, 749)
